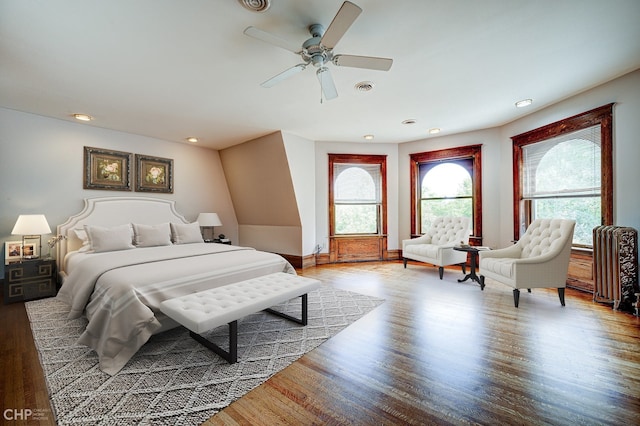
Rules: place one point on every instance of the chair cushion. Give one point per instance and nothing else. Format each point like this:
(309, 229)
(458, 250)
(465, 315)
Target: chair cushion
(498, 265)
(449, 230)
(542, 236)
(423, 250)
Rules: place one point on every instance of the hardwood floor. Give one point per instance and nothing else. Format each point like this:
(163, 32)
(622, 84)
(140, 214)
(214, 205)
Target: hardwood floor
(436, 352)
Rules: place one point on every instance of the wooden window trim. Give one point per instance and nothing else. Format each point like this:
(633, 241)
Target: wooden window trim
(358, 159)
(604, 117)
(473, 152)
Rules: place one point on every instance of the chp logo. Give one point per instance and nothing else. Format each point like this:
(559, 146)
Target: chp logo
(22, 414)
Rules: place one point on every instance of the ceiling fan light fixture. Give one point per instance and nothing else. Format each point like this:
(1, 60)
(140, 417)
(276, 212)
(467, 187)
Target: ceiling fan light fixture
(82, 117)
(524, 103)
(256, 5)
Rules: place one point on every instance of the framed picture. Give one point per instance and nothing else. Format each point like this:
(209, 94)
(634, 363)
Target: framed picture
(107, 169)
(30, 251)
(154, 174)
(12, 251)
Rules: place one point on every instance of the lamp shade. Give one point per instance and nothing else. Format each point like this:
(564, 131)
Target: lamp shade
(31, 224)
(208, 219)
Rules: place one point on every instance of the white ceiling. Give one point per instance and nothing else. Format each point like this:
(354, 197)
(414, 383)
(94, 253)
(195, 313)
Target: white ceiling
(171, 69)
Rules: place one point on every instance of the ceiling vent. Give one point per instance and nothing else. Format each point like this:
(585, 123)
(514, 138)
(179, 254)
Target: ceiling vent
(256, 5)
(364, 86)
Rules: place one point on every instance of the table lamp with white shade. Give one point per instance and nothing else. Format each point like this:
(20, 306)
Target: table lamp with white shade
(208, 221)
(31, 227)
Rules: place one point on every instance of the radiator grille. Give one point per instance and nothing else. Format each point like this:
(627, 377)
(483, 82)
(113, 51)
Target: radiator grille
(615, 266)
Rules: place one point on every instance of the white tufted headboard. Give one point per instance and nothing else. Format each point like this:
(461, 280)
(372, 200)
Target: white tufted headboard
(112, 211)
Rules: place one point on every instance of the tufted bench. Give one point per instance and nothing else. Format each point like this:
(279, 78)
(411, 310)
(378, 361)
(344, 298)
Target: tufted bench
(211, 308)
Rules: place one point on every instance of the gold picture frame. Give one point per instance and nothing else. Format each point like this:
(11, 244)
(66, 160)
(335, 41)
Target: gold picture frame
(107, 169)
(154, 174)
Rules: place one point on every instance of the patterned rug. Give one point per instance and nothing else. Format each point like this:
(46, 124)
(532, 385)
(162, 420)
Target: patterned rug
(173, 379)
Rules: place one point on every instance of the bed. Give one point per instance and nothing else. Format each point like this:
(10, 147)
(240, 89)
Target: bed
(123, 256)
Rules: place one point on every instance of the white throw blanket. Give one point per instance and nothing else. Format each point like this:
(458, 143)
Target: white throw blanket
(121, 291)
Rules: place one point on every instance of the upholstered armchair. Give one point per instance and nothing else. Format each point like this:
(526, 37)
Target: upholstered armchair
(436, 245)
(540, 259)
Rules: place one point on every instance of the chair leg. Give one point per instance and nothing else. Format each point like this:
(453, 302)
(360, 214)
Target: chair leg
(516, 296)
(464, 268)
(404, 259)
(441, 271)
(481, 282)
(561, 295)
(529, 290)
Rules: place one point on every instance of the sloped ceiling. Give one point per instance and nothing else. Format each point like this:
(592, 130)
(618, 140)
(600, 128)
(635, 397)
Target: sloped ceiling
(174, 69)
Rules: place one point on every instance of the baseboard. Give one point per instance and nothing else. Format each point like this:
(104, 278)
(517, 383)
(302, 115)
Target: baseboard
(302, 262)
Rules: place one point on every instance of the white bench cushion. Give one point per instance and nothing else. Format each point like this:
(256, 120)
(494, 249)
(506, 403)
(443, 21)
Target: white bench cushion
(208, 309)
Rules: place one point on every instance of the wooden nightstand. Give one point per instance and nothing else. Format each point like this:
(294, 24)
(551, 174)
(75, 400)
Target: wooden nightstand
(30, 279)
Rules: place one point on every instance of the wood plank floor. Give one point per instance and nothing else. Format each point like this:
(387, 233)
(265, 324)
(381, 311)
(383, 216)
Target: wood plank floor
(436, 352)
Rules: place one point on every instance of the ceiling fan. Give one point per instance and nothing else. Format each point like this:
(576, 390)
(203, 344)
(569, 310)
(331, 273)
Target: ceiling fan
(318, 50)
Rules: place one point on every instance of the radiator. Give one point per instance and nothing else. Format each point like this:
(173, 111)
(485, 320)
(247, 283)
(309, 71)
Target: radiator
(615, 266)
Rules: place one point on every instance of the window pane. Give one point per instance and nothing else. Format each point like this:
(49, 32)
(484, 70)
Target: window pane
(446, 180)
(355, 184)
(585, 211)
(431, 209)
(356, 219)
(569, 164)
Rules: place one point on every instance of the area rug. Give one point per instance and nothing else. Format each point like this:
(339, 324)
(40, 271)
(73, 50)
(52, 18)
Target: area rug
(173, 379)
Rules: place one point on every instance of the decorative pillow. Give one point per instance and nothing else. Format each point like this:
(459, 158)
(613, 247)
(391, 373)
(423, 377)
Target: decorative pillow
(151, 235)
(186, 233)
(82, 236)
(109, 239)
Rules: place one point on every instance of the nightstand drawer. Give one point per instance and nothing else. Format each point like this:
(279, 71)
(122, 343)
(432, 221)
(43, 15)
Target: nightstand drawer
(29, 280)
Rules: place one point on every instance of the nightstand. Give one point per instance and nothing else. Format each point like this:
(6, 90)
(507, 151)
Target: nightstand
(29, 279)
(219, 241)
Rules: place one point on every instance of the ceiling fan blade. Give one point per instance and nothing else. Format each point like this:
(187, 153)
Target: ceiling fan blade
(326, 83)
(271, 39)
(341, 22)
(368, 62)
(283, 75)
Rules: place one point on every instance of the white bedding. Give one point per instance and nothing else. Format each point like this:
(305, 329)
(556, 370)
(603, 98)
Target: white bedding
(121, 291)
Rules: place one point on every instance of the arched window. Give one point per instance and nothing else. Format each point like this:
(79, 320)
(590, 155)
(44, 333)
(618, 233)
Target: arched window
(357, 198)
(447, 182)
(446, 190)
(564, 170)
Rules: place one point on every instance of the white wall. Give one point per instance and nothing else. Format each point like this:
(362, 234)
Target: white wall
(41, 170)
(323, 149)
(497, 169)
(300, 155)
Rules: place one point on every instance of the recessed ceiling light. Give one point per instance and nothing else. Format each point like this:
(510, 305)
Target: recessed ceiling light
(192, 140)
(368, 137)
(524, 103)
(83, 117)
(434, 131)
(409, 121)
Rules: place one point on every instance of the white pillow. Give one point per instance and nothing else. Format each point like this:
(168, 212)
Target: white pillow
(82, 236)
(109, 239)
(186, 233)
(151, 235)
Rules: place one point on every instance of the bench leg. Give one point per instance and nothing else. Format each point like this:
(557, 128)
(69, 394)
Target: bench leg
(304, 318)
(230, 356)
